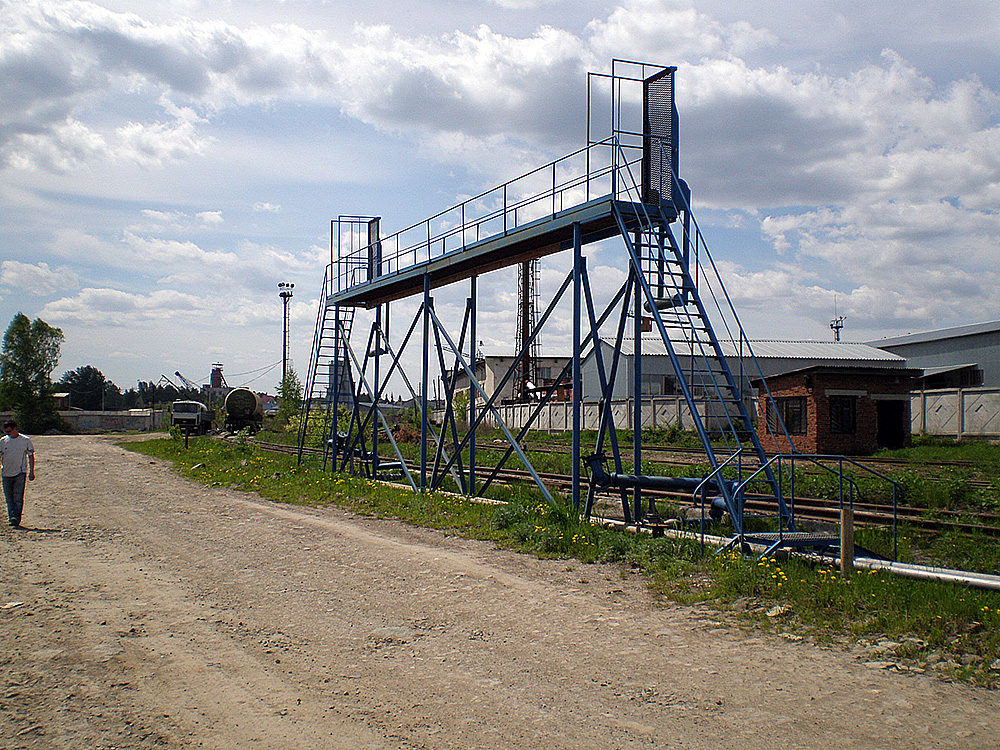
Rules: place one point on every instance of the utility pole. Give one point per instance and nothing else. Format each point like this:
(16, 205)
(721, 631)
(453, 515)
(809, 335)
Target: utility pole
(836, 325)
(285, 292)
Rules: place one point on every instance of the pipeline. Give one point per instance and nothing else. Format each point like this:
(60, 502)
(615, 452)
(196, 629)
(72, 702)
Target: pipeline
(601, 478)
(906, 570)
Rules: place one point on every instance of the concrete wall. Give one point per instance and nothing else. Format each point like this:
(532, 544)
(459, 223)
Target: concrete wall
(558, 416)
(960, 412)
(136, 420)
(968, 412)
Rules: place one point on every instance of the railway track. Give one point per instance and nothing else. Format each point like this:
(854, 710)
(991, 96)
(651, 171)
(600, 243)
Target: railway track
(812, 509)
(673, 456)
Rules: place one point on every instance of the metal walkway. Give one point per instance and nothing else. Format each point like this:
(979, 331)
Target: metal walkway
(623, 184)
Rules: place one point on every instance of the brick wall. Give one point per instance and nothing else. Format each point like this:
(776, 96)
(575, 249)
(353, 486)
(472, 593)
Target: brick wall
(866, 386)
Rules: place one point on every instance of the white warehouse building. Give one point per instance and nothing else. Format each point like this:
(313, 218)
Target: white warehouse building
(771, 357)
(959, 357)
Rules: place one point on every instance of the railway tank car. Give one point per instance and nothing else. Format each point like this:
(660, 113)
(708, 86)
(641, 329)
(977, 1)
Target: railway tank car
(244, 410)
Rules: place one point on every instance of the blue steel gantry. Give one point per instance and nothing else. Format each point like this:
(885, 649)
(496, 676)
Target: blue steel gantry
(624, 183)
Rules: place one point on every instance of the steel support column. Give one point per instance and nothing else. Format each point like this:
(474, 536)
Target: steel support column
(637, 394)
(577, 385)
(471, 414)
(424, 373)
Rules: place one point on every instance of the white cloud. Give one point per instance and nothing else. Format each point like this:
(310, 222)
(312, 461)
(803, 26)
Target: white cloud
(210, 217)
(60, 147)
(672, 32)
(157, 250)
(37, 278)
(522, 4)
(264, 207)
(113, 307)
(154, 144)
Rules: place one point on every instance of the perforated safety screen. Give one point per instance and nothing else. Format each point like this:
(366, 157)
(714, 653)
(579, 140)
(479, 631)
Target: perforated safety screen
(659, 158)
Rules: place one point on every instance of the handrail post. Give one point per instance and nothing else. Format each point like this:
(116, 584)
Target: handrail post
(505, 208)
(553, 190)
(846, 539)
(702, 487)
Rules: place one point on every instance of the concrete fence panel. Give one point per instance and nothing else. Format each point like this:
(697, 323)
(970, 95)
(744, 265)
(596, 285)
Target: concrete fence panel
(959, 412)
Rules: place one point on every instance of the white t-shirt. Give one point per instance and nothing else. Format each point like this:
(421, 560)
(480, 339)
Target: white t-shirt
(14, 454)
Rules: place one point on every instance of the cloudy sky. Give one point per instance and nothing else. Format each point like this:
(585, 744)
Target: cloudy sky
(164, 165)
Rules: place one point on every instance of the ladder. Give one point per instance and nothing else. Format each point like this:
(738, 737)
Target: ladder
(674, 295)
(329, 380)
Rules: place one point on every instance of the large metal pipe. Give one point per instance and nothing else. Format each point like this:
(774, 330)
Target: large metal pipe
(907, 570)
(602, 478)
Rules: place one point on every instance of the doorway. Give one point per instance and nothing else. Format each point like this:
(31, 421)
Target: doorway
(891, 424)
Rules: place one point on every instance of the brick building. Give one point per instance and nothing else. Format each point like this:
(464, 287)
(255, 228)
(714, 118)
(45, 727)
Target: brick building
(836, 410)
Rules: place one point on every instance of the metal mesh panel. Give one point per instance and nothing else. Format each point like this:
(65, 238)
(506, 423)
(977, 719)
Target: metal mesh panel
(659, 138)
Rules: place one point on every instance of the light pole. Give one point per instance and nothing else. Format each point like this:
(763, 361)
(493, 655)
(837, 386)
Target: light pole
(285, 292)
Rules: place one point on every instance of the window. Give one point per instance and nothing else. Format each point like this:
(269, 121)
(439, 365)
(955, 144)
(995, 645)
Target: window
(652, 385)
(659, 385)
(843, 415)
(793, 413)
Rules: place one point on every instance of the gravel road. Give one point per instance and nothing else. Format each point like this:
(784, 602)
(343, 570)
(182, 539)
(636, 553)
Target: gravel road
(141, 610)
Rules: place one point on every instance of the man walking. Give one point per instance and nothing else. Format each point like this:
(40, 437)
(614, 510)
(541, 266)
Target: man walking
(17, 461)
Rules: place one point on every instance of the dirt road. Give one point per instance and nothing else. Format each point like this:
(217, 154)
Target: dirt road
(141, 610)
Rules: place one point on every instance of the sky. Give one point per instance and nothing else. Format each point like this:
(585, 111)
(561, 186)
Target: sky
(164, 165)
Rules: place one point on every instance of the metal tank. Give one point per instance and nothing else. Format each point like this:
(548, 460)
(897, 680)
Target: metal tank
(243, 410)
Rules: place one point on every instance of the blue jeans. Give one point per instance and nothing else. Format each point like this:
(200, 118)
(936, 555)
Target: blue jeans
(13, 491)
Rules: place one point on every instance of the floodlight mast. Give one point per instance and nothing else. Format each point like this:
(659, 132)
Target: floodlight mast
(285, 292)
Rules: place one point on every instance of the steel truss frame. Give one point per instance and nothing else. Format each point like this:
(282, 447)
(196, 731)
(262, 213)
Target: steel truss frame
(671, 282)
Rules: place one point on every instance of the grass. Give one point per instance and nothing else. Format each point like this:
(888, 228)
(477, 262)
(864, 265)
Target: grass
(924, 485)
(946, 628)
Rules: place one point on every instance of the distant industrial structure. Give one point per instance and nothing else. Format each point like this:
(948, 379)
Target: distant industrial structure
(959, 357)
(748, 360)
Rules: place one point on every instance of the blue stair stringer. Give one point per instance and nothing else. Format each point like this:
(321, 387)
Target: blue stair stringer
(672, 278)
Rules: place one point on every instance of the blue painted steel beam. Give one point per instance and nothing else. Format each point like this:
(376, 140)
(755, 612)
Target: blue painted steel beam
(578, 262)
(530, 241)
(503, 427)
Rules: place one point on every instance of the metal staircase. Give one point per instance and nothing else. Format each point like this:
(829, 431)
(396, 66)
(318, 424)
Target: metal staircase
(671, 271)
(675, 302)
(329, 377)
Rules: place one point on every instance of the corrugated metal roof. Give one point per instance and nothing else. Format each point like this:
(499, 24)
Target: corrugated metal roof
(767, 349)
(942, 333)
(928, 371)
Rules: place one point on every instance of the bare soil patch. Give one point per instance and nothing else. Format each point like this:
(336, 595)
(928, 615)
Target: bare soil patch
(142, 610)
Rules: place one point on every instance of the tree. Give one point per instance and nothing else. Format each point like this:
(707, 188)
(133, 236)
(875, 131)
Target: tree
(289, 396)
(90, 390)
(30, 354)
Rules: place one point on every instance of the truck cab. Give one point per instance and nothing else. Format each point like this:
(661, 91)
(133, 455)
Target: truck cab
(192, 417)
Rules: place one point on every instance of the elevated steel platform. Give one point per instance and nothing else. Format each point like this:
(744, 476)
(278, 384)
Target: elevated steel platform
(624, 183)
(536, 239)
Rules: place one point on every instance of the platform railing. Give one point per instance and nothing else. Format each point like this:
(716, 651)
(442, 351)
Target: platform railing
(572, 180)
(848, 488)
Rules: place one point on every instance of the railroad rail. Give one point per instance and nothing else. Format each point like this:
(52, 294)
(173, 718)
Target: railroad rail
(677, 456)
(812, 509)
